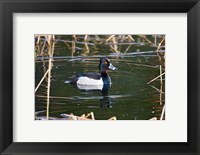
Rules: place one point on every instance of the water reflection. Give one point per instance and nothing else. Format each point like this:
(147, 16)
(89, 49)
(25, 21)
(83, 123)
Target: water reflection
(106, 101)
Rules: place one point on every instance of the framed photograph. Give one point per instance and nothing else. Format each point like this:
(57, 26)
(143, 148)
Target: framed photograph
(104, 77)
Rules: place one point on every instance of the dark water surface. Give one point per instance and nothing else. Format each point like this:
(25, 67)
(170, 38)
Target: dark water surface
(129, 98)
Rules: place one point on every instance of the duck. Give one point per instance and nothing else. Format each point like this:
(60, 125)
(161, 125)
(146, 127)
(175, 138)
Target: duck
(95, 81)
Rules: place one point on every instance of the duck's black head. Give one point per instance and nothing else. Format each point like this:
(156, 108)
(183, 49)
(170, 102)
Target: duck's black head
(105, 64)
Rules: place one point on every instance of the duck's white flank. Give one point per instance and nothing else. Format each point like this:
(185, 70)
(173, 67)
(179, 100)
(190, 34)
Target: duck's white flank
(86, 83)
(90, 87)
(89, 82)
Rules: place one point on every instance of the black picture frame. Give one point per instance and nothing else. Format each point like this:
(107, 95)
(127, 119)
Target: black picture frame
(8, 7)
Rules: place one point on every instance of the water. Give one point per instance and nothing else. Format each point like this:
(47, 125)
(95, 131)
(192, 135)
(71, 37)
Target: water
(129, 98)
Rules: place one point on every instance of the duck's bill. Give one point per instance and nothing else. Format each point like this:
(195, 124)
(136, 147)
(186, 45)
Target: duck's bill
(112, 67)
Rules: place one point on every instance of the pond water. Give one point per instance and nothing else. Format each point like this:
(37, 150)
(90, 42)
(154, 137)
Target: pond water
(129, 98)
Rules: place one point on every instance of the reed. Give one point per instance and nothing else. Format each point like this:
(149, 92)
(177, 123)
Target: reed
(73, 44)
(41, 80)
(163, 112)
(87, 50)
(155, 78)
(51, 52)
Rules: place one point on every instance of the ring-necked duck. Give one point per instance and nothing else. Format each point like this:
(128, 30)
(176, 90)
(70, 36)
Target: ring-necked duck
(94, 81)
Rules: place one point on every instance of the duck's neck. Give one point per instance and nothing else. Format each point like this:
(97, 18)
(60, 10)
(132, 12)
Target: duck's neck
(105, 77)
(104, 73)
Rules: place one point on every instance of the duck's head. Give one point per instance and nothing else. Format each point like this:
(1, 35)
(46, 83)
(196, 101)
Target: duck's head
(105, 64)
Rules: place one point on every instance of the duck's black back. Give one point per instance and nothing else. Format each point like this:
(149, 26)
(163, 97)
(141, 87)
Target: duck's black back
(96, 76)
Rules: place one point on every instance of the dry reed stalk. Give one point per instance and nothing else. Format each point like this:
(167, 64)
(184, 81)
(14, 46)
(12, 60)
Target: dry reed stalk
(67, 45)
(146, 39)
(158, 90)
(53, 47)
(121, 37)
(41, 80)
(38, 39)
(155, 40)
(49, 38)
(115, 47)
(83, 116)
(73, 43)
(161, 80)
(158, 48)
(156, 78)
(163, 112)
(86, 45)
(38, 49)
(159, 45)
(113, 39)
(113, 118)
(87, 50)
(112, 48)
(43, 47)
(37, 112)
(161, 85)
(127, 48)
(154, 118)
(51, 52)
(110, 38)
(131, 38)
(44, 68)
(48, 88)
(85, 38)
(91, 114)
